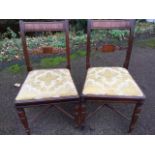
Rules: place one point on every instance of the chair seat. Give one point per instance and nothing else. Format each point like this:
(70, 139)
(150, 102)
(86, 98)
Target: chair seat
(47, 83)
(110, 81)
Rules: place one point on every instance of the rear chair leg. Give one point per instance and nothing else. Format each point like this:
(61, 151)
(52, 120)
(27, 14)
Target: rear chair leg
(135, 116)
(80, 114)
(22, 116)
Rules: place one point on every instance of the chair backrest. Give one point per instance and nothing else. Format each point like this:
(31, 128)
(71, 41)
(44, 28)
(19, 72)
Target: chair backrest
(62, 26)
(111, 24)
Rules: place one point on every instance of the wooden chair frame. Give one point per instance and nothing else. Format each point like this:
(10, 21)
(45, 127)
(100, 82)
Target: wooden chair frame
(138, 101)
(20, 105)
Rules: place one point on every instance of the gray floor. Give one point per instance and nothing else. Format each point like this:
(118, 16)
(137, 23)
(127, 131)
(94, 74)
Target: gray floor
(104, 122)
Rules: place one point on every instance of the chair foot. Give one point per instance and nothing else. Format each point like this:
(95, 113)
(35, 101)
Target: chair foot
(23, 119)
(28, 132)
(80, 115)
(135, 116)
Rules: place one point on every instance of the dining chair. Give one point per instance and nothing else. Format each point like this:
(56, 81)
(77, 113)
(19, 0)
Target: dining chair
(45, 87)
(112, 84)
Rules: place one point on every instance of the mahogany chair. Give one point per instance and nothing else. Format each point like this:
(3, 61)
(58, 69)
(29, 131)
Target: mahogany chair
(112, 84)
(49, 87)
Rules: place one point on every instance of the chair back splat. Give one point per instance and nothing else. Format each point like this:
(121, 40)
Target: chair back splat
(61, 26)
(109, 25)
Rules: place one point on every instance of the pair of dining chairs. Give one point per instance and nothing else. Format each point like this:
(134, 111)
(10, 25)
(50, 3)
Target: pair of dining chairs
(53, 87)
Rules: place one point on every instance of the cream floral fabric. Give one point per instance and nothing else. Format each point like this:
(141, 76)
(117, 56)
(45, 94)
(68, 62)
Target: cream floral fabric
(110, 81)
(50, 83)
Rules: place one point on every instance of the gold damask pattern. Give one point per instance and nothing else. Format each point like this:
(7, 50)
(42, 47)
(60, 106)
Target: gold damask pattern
(111, 81)
(47, 83)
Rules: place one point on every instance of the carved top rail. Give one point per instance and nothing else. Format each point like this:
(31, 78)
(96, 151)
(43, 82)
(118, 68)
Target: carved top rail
(110, 24)
(43, 26)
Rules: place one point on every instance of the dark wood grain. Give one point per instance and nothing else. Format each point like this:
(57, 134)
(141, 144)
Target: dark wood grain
(62, 26)
(43, 26)
(51, 102)
(110, 24)
(135, 116)
(22, 116)
(113, 24)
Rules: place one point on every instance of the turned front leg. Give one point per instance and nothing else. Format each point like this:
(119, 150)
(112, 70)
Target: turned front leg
(23, 119)
(135, 116)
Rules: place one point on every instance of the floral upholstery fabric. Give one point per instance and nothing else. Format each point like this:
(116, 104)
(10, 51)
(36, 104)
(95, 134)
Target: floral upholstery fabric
(47, 83)
(110, 81)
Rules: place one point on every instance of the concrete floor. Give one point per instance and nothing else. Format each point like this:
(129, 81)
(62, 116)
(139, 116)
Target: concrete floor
(105, 122)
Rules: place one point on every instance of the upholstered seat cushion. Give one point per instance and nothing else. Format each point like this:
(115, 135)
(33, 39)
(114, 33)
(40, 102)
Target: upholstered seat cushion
(113, 81)
(47, 83)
